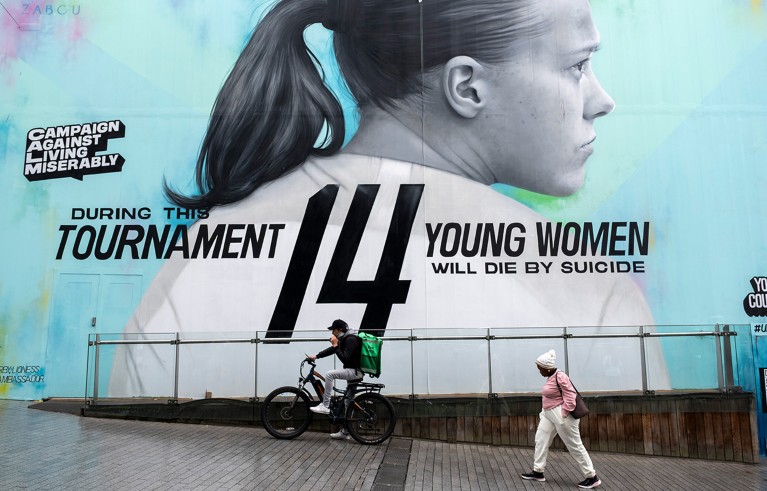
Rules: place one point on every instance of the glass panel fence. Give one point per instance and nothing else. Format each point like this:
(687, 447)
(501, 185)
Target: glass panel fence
(606, 359)
(132, 365)
(690, 356)
(216, 366)
(513, 355)
(278, 361)
(451, 361)
(426, 361)
(397, 362)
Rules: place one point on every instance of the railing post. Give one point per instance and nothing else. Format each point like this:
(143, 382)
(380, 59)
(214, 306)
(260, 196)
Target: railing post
(175, 372)
(643, 356)
(719, 370)
(96, 369)
(255, 370)
(87, 369)
(412, 366)
(566, 355)
(490, 366)
(729, 381)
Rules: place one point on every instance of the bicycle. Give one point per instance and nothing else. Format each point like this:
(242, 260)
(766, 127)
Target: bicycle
(367, 414)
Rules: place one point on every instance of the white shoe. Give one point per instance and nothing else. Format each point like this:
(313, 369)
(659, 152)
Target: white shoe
(341, 435)
(320, 409)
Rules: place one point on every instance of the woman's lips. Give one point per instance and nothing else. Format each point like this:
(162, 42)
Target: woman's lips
(588, 143)
(587, 147)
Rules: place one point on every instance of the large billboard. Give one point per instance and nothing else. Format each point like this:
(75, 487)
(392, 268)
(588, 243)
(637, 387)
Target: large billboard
(192, 167)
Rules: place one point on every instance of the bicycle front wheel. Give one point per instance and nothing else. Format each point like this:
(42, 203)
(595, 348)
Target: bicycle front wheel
(285, 413)
(370, 418)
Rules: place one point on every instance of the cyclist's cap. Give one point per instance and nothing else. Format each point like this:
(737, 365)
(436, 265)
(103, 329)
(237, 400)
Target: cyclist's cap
(339, 324)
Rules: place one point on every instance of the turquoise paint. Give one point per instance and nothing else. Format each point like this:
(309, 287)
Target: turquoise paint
(684, 149)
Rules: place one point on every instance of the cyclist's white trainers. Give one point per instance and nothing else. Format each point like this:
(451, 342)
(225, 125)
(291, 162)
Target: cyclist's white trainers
(320, 409)
(341, 435)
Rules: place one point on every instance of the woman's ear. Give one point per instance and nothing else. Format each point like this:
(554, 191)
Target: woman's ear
(464, 82)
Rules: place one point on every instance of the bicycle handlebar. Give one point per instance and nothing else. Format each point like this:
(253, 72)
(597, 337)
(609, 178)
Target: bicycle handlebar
(304, 362)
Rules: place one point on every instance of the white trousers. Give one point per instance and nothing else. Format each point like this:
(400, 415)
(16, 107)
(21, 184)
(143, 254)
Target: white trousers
(341, 373)
(552, 424)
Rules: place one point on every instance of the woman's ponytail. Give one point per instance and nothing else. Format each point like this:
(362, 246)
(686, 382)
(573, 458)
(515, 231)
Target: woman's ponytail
(271, 111)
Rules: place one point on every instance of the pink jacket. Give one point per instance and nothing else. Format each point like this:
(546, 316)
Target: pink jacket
(552, 397)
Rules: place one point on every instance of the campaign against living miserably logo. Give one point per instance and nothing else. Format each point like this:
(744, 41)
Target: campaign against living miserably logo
(755, 303)
(71, 150)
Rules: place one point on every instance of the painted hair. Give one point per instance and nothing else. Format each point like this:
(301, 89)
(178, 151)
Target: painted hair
(274, 109)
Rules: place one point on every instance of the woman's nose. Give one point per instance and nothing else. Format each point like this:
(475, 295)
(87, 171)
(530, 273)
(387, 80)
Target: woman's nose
(598, 101)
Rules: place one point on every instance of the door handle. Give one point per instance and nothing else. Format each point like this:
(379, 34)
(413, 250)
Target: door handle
(93, 322)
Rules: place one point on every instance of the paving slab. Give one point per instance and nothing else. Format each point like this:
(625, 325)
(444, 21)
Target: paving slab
(63, 451)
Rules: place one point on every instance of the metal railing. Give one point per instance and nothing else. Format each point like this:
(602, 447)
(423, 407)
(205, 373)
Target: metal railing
(488, 360)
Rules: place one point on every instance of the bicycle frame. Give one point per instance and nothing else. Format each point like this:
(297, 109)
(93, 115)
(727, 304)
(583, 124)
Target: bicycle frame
(338, 404)
(314, 379)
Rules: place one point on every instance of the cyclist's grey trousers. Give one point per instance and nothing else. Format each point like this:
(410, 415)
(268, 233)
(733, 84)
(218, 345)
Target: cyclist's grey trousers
(342, 374)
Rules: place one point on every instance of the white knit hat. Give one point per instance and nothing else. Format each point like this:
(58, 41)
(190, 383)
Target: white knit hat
(547, 360)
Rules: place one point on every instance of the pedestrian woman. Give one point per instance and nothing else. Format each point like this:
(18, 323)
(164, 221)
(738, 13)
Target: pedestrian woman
(555, 419)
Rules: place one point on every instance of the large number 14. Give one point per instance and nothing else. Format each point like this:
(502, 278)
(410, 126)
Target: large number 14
(381, 293)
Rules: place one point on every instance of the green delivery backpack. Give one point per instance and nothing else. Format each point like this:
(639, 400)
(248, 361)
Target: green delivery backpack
(370, 359)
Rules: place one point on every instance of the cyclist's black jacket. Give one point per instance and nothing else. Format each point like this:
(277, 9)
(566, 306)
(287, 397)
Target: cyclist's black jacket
(348, 351)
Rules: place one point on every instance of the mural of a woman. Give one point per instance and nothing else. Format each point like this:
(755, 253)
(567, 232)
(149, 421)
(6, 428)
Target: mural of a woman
(395, 229)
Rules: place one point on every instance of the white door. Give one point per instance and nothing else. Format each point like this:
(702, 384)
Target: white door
(84, 304)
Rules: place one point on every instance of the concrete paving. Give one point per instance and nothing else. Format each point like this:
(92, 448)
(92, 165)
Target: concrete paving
(52, 450)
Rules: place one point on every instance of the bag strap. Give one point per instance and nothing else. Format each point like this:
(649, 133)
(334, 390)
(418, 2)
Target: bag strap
(560, 387)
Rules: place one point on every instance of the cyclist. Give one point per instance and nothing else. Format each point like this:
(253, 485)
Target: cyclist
(347, 347)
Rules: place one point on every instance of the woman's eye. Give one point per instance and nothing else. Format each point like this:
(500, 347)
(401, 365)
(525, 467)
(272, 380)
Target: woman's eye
(580, 68)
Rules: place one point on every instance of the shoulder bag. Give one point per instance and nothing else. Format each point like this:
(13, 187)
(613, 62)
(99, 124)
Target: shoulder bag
(581, 409)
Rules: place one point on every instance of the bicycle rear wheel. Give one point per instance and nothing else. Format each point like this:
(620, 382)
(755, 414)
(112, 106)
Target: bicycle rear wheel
(285, 413)
(370, 418)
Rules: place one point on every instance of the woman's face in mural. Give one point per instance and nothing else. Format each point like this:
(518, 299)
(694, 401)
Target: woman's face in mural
(540, 130)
